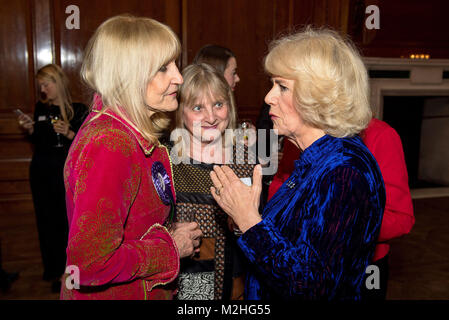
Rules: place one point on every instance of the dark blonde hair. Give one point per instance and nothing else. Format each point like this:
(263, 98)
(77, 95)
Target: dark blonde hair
(331, 86)
(122, 57)
(54, 73)
(200, 80)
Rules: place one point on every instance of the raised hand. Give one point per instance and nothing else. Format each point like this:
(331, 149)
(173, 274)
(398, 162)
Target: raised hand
(61, 127)
(238, 200)
(26, 122)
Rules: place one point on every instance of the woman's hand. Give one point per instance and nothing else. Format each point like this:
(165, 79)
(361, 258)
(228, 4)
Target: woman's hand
(26, 122)
(187, 237)
(238, 200)
(63, 128)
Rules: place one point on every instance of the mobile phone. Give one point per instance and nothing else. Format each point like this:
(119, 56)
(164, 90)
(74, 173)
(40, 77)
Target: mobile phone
(18, 112)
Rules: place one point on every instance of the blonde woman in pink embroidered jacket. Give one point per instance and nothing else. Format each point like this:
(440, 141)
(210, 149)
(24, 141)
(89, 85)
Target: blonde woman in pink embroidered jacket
(118, 178)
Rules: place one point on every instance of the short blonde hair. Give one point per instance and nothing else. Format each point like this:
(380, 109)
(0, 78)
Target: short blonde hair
(331, 86)
(54, 73)
(122, 57)
(200, 80)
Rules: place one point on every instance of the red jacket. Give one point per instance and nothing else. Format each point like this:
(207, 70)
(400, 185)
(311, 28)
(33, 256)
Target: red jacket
(385, 145)
(116, 234)
(285, 166)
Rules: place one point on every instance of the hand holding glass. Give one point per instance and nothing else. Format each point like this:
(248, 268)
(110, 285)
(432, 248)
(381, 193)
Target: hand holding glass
(55, 119)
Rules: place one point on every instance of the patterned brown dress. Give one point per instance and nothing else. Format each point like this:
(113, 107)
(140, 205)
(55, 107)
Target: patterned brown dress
(217, 272)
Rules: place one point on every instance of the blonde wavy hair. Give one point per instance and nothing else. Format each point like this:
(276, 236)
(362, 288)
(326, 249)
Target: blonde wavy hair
(121, 58)
(331, 88)
(204, 80)
(54, 73)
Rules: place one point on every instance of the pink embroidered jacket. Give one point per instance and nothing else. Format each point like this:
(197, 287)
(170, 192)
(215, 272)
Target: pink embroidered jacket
(116, 237)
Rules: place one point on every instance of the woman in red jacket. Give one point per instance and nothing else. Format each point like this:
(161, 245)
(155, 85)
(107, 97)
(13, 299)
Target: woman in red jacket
(385, 145)
(118, 177)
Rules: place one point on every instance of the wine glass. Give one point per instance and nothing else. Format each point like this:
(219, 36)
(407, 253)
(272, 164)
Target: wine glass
(245, 125)
(54, 118)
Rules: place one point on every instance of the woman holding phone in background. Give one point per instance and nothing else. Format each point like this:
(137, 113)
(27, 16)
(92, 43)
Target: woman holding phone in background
(56, 121)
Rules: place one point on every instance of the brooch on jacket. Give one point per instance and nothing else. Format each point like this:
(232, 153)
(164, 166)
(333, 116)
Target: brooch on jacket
(162, 184)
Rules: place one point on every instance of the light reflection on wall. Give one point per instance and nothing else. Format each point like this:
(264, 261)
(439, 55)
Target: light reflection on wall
(68, 57)
(44, 57)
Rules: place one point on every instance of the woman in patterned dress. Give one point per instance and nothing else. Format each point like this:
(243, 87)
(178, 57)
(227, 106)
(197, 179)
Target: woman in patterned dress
(51, 139)
(206, 111)
(118, 176)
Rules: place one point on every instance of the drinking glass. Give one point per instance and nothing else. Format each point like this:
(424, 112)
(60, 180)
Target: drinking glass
(54, 118)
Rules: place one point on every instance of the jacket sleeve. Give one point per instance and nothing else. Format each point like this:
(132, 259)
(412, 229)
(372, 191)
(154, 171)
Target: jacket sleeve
(329, 245)
(105, 180)
(398, 217)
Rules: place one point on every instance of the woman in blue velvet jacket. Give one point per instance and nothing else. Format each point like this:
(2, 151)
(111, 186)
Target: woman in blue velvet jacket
(316, 236)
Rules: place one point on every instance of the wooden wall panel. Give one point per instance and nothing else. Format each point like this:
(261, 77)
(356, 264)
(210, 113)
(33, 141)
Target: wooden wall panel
(330, 13)
(15, 147)
(245, 27)
(15, 187)
(406, 26)
(17, 90)
(43, 40)
(16, 57)
(14, 169)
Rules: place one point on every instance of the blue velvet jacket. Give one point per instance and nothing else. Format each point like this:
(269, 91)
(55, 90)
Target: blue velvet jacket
(319, 230)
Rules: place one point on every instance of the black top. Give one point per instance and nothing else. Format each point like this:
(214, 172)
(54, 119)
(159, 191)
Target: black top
(44, 136)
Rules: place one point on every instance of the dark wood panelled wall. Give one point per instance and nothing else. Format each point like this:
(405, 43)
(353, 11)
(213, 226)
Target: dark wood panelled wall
(34, 33)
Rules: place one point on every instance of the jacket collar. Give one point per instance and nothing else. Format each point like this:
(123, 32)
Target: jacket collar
(97, 107)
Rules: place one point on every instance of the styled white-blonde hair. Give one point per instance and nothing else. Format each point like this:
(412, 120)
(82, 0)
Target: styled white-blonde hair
(331, 86)
(121, 58)
(54, 73)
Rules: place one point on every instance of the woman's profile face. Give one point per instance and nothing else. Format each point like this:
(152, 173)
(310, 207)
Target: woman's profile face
(207, 118)
(48, 87)
(283, 113)
(230, 73)
(163, 88)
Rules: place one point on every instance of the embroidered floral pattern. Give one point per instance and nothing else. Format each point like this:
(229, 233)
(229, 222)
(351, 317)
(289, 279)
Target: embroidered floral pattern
(111, 204)
(103, 236)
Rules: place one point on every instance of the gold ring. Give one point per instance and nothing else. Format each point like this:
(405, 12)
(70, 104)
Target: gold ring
(217, 191)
